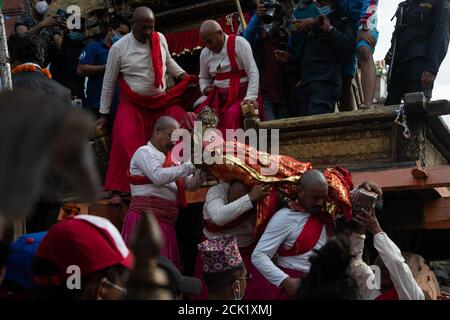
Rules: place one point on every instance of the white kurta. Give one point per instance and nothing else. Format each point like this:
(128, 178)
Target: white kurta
(148, 161)
(132, 59)
(401, 275)
(283, 230)
(218, 211)
(212, 63)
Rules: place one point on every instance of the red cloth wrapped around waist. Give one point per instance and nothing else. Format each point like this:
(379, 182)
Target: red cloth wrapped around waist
(230, 75)
(163, 209)
(183, 94)
(143, 180)
(388, 295)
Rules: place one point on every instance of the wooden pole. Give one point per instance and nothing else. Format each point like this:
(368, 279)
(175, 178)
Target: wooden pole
(5, 68)
(241, 14)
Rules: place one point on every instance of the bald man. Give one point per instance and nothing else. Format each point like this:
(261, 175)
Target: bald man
(228, 75)
(139, 62)
(293, 236)
(158, 184)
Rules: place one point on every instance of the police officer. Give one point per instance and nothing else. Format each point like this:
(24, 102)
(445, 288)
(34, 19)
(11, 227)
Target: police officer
(419, 45)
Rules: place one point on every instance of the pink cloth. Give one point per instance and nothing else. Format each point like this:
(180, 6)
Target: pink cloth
(132, 129)
(169, 246)
(258, 288)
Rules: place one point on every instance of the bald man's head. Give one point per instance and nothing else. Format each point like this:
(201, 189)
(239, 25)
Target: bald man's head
(143, 24)
(313, 191)
(162, 133)
(212, 35)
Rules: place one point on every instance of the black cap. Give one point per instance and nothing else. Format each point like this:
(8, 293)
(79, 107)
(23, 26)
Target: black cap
(178, 282)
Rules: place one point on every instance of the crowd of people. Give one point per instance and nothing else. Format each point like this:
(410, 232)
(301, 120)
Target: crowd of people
(263, 239)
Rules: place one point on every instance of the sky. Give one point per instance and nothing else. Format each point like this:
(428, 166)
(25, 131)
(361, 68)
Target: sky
(386, 10)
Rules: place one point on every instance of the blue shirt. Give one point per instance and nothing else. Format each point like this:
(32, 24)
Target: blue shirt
(96, 53)
(358, 10)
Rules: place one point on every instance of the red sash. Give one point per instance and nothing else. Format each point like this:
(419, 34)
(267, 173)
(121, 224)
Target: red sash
(183, 94)
(307, 238)
(169, 162)
(234, 75)
(164, 210)
(388, 295)
(155, 53)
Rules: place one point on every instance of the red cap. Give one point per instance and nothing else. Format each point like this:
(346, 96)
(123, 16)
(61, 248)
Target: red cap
(92, 243)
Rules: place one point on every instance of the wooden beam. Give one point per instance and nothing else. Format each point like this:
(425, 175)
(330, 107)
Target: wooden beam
(401, 179)
(389, 180)
(437, 210)
(437, 108)
(333, 119)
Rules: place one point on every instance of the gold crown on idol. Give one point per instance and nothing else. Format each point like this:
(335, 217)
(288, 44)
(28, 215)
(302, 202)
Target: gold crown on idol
(209, 120)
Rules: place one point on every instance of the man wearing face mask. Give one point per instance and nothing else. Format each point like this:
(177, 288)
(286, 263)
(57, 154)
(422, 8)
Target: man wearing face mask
(46, 28)
(265, 39)
(92, 64)
(64, 65)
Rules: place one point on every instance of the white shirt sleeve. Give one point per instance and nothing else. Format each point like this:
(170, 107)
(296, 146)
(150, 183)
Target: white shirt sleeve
(360, 271)
(193, 182)
(219, 211)
(205, 78)
(172, 67)
(244, 51)
(152, 167)
(110, 78)
(401, 275)
(278, 229)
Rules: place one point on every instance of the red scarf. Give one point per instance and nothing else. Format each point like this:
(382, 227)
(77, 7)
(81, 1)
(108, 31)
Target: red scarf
(388, 295)
(308, 237)
(169, 162)
(155, 52)
(234, 75)
(183, 94)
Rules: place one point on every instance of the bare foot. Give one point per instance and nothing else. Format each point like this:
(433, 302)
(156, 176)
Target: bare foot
(116, 199)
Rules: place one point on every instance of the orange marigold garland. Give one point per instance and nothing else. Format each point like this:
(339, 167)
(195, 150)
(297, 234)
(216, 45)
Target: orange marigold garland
(30, 68)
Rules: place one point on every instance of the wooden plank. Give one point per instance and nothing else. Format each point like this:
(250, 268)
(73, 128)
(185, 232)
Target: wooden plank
(389, 180)
(437, 210)
(401, 179)
(333, 119)
(438, 108)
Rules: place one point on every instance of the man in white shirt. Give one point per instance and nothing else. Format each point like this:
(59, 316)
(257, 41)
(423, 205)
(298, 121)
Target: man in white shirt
(230, 209)
(228, 75)
(139, 61)
(293, 236)
(397, 281)
(158, 184)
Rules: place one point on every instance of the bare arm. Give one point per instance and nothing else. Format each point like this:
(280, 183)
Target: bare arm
(90, 70)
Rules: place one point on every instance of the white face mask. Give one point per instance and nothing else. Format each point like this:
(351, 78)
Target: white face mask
(41, 7)
(237, 292)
